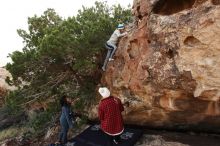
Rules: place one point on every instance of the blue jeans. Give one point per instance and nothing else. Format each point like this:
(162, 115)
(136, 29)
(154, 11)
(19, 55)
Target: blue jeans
(64, 131)
(111, 50)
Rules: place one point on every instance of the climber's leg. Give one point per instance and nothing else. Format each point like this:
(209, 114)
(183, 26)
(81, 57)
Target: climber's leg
(113, 52)
(110, 49)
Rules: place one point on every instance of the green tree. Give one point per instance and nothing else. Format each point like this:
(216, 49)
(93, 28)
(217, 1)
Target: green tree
(63, 55)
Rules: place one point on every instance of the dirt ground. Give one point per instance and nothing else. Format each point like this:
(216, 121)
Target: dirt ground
(149, 138)
(166, 138)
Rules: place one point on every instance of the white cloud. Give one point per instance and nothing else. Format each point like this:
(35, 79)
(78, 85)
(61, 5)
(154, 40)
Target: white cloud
(14, 14)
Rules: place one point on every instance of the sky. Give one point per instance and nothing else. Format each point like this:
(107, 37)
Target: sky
(14, 15)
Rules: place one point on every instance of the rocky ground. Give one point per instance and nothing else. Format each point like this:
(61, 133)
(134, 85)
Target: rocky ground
(150, 138)
(165, 138)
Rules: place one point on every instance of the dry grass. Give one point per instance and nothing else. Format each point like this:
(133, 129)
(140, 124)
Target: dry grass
(11, 132)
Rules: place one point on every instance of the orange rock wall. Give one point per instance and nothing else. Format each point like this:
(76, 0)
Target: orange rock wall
(168, 66)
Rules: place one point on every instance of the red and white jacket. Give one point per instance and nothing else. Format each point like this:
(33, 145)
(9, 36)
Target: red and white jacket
(110, 109)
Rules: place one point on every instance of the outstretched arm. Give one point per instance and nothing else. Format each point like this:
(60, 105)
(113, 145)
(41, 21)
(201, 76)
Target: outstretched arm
(122, 34)
(74, 101)
(120, 105)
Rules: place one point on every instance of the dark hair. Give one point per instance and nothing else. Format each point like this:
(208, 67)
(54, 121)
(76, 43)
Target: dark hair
(63, 101)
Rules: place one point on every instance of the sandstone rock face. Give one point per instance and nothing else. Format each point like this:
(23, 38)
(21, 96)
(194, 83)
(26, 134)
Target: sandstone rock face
(156, 140)
(4, 87)
(3, 75)
(168, 66)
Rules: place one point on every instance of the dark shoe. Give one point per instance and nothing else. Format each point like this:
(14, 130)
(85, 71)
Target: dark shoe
(70, 144)
(116, 142)
(58, 143)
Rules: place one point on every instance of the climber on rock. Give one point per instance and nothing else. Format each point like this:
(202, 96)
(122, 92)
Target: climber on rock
(112, 42)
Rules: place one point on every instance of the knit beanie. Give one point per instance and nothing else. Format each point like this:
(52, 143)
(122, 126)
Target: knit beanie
(121, 26)
(104, 92)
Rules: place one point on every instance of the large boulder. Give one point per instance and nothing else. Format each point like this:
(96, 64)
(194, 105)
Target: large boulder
(168, 66)
(4, 87)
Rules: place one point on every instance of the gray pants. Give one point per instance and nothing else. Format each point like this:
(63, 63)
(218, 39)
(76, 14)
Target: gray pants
(111, 50)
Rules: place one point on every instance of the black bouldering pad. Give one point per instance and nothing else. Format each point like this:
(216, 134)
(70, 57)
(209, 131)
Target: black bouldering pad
(93, 136)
